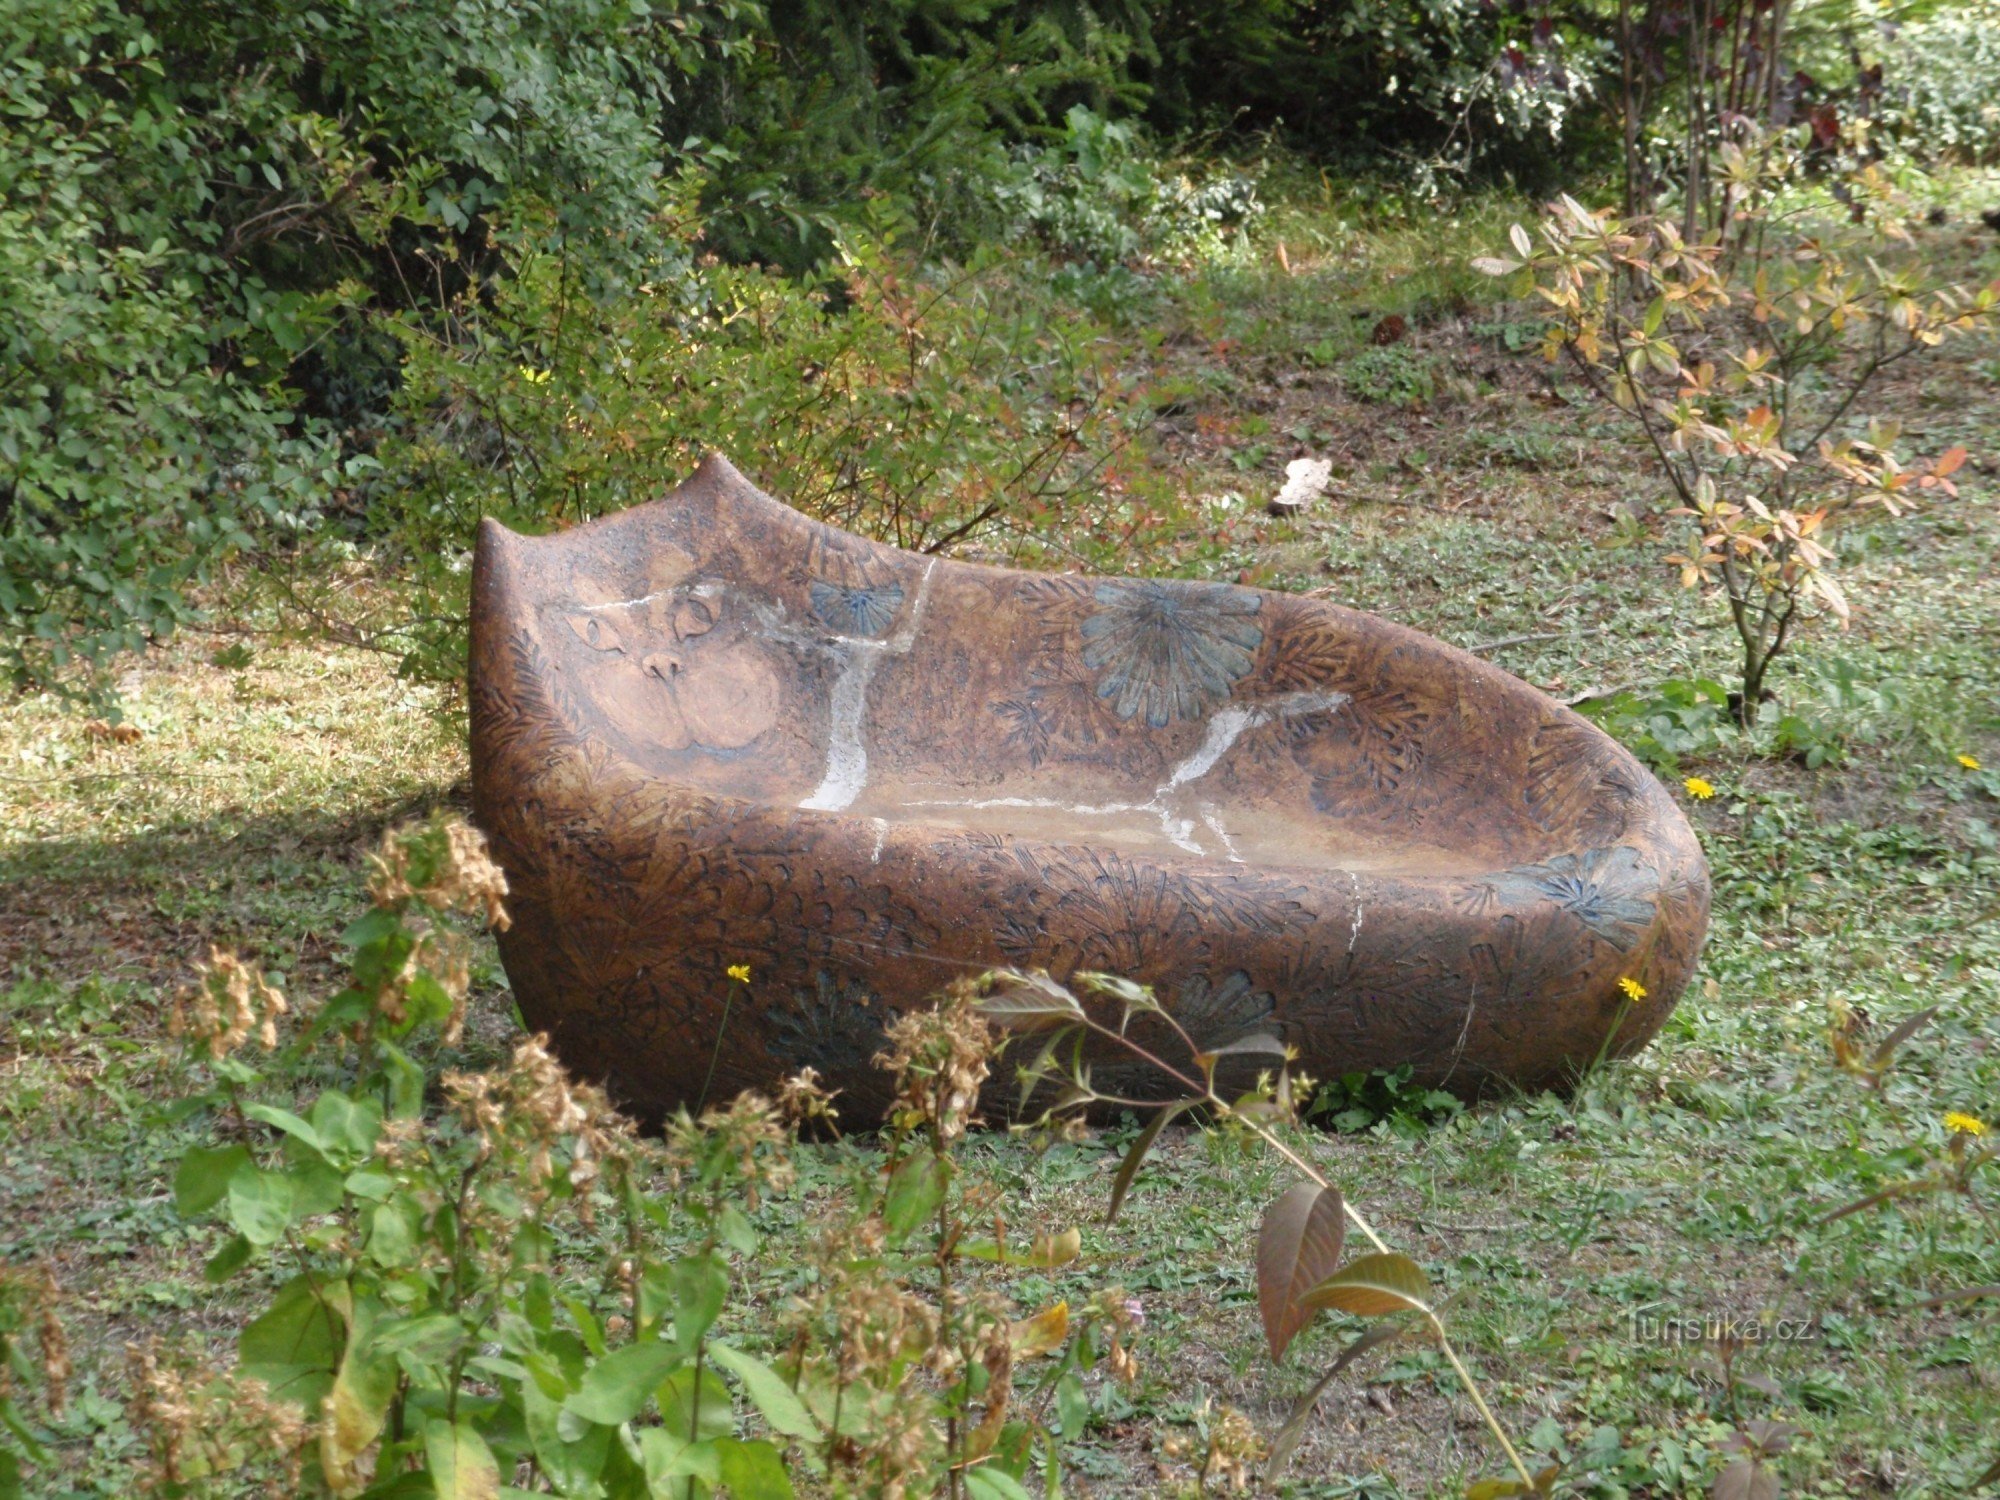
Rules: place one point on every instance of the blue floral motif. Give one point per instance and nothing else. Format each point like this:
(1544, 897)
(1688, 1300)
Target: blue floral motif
(1171, 651)
(1608, 890)
(852, 610)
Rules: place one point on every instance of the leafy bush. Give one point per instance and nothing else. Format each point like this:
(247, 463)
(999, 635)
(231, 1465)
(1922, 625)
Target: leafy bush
(132, 455)
(1436, 85)
(1387, 1097)
(933, 409)
(486, 1275)
(1741, 358)
(195, 196)
(1941, 95)
(1675, 718)
(1103, 197)
(1394, 374)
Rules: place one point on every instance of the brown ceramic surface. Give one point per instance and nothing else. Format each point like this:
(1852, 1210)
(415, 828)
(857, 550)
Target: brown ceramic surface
(709, 731)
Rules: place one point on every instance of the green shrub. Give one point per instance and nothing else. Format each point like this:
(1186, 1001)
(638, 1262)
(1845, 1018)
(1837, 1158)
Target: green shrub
(133, 453)
(1101, 196)
(1394, 374)
(1941, 94)
(486, 1276)
(931, 410)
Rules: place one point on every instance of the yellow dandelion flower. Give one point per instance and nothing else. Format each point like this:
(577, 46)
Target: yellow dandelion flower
(1970, 762)
(1632, 988)
(740, 973)
(1963, 1124)
(1698, 789)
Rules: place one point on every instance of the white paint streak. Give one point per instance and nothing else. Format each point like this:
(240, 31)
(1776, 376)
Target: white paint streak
(1354, 932)
(881, 836)
(846, 747)
(1225, 728)
(1213, 819)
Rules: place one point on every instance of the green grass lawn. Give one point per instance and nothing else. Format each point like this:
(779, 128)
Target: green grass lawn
(1471, 500)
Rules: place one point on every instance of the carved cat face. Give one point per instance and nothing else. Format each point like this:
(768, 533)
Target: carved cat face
(677, 668)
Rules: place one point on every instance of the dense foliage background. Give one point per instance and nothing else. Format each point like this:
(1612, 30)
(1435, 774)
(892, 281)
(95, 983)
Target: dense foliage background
(262, 260)
(227, 230)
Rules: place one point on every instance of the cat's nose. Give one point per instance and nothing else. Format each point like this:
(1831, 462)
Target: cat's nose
(661, 665)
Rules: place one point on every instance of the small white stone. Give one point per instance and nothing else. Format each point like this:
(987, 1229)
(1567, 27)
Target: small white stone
(1306, 480)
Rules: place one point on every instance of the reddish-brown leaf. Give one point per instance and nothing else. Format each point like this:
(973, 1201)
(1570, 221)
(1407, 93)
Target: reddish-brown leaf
(1297, 1248)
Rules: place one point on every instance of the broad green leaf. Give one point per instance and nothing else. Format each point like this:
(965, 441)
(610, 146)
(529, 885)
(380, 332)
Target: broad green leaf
(715, 1418)
(30, 1440)
(260, 1203)
(461, 1466)
(284, 1120)
(1298, 1247)
(391, 1237)
(616, 1387)
(347, 1125)
(355, 1411)
(1257, 1042)
(317, 1185)
(1373, 1286)
(571, 1465)
(701, 1286)
(428, 1340)
(1034, 1074)
(226, 1262)
(916, 1188)
(405, 1079)
(1072, 1407)
(752, 1470)
(1129, 1168)
(776, 1401)
(10, 1476)
(733, 1228)
(989, 1483)
(203, 1178)
(669, 1456)
(296, 1345)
